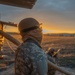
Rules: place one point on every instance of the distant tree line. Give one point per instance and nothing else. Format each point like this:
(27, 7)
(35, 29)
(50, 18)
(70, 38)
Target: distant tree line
(61, 34)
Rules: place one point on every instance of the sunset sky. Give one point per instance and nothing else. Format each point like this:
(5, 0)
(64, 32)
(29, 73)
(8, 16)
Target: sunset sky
(57, 16)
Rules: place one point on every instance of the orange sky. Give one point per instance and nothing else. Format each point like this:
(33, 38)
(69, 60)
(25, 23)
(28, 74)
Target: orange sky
(46, 29)
(57, 16)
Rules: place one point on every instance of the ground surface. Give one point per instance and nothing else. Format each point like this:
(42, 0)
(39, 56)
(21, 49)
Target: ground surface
(67, 46)
(10, 71)
(66, 55)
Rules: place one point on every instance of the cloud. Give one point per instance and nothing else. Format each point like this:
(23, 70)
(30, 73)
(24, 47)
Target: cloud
(48, 31)
(55, 14)
(60, 5)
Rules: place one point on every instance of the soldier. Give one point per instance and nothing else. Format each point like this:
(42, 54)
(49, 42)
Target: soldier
(29, 57)
(50, 53)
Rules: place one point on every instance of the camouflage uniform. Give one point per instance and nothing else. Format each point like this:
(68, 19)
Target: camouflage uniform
(30, 59)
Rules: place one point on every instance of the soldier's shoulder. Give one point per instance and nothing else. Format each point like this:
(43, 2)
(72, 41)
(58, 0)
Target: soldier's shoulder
(27, 45)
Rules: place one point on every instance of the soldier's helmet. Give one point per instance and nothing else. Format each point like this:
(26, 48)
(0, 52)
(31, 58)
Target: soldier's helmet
(28, 24)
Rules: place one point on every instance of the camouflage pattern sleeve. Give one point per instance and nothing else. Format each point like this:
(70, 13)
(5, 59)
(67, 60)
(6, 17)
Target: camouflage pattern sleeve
(22, 66)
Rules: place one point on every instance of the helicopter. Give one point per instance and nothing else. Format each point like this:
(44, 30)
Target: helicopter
(18, 3)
